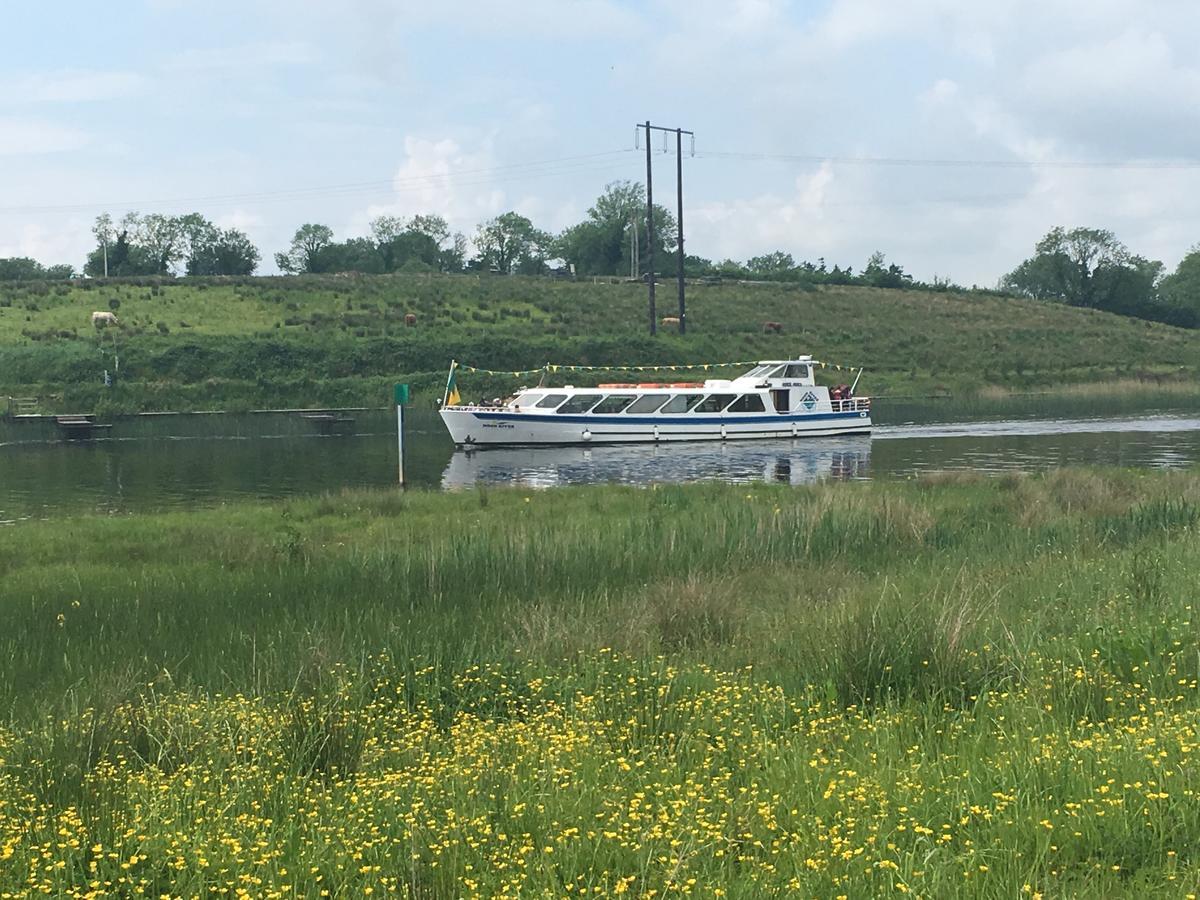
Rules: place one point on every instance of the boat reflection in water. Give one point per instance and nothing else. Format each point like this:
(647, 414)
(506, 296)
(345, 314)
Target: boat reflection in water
(791, 461)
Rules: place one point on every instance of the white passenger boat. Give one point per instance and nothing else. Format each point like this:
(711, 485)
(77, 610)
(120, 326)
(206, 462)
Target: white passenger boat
(776, 398)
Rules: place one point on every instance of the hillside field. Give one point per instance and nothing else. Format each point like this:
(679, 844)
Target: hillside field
(336, 340)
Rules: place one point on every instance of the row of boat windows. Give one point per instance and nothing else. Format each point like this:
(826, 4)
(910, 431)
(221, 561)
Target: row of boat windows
(612, 404)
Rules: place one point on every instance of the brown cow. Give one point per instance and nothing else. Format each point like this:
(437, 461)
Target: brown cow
(772, 328)
(410, 319)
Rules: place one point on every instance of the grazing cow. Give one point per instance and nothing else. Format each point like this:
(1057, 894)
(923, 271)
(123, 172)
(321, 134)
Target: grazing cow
(772, 328)
(104, 318)
(671, 320)
(410, 319)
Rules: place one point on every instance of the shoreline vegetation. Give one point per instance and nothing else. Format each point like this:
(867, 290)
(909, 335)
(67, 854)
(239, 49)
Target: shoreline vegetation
(246, 343)
(950, 686)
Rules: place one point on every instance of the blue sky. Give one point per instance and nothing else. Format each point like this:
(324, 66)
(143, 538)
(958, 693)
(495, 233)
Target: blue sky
(264, 114)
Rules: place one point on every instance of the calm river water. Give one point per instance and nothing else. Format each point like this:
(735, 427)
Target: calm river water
(174, 462)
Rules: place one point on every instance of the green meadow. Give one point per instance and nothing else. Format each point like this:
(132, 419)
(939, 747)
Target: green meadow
(947, 687)
(342, 340)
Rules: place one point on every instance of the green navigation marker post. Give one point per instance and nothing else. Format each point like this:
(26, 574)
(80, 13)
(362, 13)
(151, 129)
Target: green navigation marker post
(400, 396)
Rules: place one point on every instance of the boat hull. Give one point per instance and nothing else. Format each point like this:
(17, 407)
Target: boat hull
(478, 426)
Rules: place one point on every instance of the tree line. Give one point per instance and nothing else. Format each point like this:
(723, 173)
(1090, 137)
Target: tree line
(1086, 267)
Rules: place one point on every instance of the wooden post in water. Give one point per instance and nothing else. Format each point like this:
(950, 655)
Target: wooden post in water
(400, 394)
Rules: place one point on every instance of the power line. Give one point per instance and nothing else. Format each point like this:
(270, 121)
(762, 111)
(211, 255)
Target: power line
(915, 162)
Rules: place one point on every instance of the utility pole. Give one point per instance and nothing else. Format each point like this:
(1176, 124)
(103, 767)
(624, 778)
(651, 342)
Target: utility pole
(679, 222)
(679, 133)
(650, 231)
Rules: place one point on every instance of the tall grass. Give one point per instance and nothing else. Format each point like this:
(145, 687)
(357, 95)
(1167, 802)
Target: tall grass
(953, 686)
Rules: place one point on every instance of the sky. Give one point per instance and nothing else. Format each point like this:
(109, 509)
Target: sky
(949, 135)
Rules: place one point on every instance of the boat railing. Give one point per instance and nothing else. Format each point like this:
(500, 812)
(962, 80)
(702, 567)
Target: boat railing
(854, 404)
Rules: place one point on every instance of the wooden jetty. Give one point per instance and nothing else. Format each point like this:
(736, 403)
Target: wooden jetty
(79, 427)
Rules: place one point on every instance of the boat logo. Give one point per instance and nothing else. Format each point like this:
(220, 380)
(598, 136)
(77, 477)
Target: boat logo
(809, 400)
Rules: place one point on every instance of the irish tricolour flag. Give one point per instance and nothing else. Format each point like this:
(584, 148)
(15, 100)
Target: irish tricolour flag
(452, 396)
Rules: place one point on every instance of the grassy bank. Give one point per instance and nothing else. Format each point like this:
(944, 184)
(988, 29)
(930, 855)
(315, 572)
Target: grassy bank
(950, 687)
(328, 340)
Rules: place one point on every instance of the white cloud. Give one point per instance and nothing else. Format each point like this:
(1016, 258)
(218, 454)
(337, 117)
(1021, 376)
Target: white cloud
(440, 176)
(67, 243)
(69, 86)
(20, 137)
(253, 55)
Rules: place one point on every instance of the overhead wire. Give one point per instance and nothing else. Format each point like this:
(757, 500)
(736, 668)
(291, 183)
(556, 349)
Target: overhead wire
(918, 162)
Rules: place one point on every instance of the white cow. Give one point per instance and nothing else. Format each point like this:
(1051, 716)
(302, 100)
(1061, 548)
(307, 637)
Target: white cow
(104, 318)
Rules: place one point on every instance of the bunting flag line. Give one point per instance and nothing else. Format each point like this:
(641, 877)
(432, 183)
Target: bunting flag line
(555, 367)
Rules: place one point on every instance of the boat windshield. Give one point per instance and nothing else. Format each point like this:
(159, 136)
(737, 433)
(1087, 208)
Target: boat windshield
(758, 370)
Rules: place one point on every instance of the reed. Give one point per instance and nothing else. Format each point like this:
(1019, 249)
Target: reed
(950, 686)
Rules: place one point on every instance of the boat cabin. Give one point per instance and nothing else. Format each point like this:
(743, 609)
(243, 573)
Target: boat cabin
(779, 386)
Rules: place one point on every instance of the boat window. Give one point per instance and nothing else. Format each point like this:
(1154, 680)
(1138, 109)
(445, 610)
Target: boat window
(715, 403)
(756, 371)
(550, 401)
(526, 400)
(775, 372)
(682, 403)
(579, 403)
(614, 403)
(748, 403)
(648, 403)
(797, 370)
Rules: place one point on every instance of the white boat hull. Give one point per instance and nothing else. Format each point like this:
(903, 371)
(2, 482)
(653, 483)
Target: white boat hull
(476, 426)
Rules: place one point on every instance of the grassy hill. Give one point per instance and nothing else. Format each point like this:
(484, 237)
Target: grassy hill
(337, 340)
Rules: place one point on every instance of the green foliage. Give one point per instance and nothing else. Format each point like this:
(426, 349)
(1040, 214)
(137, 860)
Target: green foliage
(307, 244)
(601, 244)
(511, 244)
(1181, 289)
(155, 244)
(1089, 267)
(22, 268)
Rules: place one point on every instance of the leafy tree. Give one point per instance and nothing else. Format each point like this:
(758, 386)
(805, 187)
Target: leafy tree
(1089, 267)
(432, 226)
(409, 245)
(385, 229)
(228, 252)
(600, 245)
(731, 268)
(454, 257)
(697, 266)
(307, 244)
(510, 243)
(1180, 290)
(878, 273)
(353, 255)
(125, 259)
(777, 266)
(22, 268)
